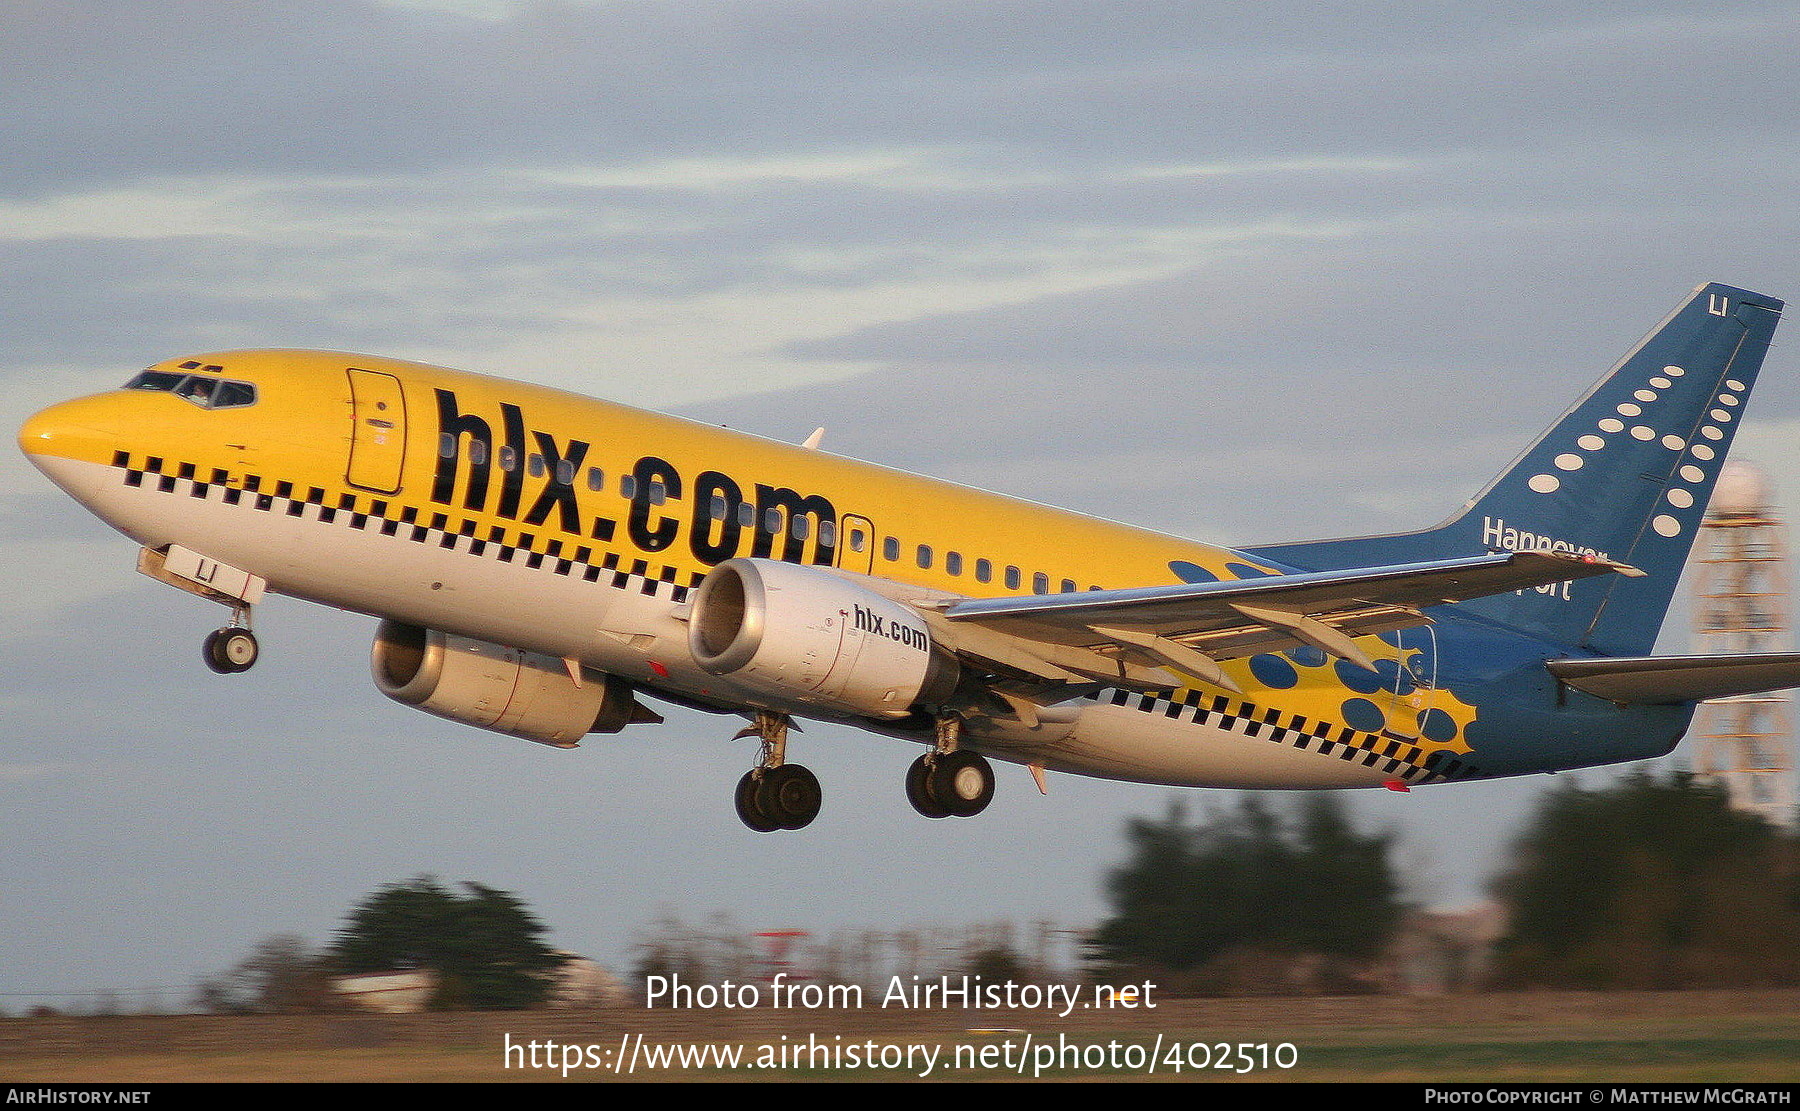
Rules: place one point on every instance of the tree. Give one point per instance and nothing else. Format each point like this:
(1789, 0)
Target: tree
(1649, 883)
(282, 975)
(1247, 899)
(998, 964)
(715, 951)
(484, 946)
(1346, 896)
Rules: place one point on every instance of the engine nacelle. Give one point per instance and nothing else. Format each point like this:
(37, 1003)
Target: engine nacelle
(806, 635)
(508, 690)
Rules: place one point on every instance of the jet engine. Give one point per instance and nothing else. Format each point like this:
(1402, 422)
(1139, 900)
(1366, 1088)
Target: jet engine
(508, 690)
(806, 635)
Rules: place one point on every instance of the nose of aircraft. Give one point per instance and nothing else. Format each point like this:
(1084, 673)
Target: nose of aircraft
(72, 430)
(73, 442)
(38, 432)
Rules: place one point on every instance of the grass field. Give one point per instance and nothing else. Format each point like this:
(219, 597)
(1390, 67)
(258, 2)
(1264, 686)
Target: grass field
(1603, 1042)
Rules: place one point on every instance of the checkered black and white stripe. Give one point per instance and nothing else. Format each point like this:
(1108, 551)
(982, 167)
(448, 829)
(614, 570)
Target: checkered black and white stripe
(1400, 757)
(364, 512)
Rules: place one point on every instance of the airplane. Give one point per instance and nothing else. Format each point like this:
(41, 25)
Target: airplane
(541, 563)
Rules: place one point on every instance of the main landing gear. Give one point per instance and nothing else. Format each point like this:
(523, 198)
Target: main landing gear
(233, 648)
(947, 782)
(776, 794)
(950, 782)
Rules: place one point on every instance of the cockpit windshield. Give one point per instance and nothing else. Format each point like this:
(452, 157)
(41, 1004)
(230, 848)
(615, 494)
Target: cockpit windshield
(203, 390)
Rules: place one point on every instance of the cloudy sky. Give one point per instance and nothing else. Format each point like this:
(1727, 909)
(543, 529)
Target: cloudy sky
(1245, 273)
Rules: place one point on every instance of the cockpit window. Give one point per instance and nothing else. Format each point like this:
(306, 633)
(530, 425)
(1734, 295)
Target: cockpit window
(197, 390)
(233, 395)
(202, 389)
(156, 380)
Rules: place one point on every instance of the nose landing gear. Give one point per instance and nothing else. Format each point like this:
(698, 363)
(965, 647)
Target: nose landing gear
(231, 650)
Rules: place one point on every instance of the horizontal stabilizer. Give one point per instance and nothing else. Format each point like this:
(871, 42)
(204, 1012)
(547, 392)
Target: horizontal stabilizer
(1662, 680)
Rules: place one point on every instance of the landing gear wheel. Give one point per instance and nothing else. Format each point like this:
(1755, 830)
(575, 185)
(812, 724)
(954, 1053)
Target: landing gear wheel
(918, 789)
(790, 796)
(962, 783)
(776, 794)
(749, 811)
(231, 650)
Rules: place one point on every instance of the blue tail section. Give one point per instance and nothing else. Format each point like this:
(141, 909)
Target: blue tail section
(1625, 475)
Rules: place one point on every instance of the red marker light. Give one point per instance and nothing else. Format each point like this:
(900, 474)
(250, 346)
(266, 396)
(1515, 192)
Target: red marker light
(1398, 785)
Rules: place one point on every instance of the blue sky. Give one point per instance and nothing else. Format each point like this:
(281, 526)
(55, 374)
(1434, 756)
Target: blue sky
(1320, 271)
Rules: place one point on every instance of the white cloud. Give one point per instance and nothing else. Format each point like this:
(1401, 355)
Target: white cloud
(11, 773)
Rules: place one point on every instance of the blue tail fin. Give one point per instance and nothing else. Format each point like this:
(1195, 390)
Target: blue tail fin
(1625, 474)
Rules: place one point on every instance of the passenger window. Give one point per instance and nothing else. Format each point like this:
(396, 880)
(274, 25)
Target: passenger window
(628, 486)
(746, 515)
(984, 570)
(447, 445)
(1012, 578)
(890, 548)
(953, 562)
(1040, 583)
(857, 539)
(537, 465)
(1067, 587)
(718, 507)
(596, 479)
(797, 527)
(925, 556)
(827, 534)
(509, 458)
(478, 452)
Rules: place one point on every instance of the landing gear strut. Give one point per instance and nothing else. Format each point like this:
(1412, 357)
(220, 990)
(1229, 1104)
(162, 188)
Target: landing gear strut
(948, 782)
(776, 794)
(233, 648)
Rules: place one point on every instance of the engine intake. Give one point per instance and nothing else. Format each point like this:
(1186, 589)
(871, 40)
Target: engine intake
(807, 636)
(506, 690)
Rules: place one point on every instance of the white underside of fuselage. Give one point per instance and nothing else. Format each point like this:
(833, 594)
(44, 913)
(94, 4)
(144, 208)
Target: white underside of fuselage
(627, 620)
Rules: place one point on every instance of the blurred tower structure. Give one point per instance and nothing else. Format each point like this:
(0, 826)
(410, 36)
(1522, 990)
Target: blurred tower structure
(1741, 592)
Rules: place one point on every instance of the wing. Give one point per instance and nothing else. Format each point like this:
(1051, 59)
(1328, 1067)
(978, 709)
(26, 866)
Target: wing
(1141, 637)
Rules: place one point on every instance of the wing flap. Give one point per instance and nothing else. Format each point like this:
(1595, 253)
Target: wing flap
(1230, 620)
(1664, 680)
